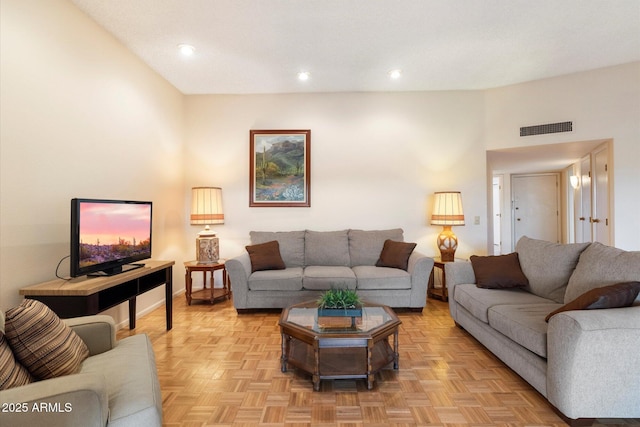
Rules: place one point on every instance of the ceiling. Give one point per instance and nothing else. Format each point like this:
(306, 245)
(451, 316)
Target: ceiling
(258, 46)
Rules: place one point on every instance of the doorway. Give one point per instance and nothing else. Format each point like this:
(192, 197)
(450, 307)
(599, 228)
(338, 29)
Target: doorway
(535, 206)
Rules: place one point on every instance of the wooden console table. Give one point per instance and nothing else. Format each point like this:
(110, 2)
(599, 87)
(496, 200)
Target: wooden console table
(83, 296)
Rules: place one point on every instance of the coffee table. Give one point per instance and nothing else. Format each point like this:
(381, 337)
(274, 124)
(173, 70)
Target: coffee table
(331, 348)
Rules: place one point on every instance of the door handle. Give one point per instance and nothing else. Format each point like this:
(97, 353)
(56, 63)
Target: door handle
(518, 219)
(581, 218)
(595, 220)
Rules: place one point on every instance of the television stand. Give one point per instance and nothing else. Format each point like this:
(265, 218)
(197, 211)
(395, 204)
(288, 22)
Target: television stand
(85, 296)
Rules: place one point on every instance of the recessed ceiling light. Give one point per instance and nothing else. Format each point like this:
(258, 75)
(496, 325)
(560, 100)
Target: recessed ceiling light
(186, 49)
(395, 74)
(304, 75)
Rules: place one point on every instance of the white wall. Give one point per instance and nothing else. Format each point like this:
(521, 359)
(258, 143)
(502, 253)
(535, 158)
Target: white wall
(376, 159)
(602, 104)
(81, 116)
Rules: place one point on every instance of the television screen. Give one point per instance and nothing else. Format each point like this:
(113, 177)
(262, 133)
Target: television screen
(108, 234)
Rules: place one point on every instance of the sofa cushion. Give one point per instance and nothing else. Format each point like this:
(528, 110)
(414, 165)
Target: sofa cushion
(326, 277)
(327, 248)
(289, 279)
(265, 256)
(523, 323)
(478, 301)
(548, 265)
(602, 265)
(612, 296)
(371, 277)
(365, 245)
(498, 271)
(42, 342)
(395, 254)
(132, 384)
(12, 374)
(291, 244)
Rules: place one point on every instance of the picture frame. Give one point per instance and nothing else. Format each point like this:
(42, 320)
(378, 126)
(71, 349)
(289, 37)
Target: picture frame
(280, 168)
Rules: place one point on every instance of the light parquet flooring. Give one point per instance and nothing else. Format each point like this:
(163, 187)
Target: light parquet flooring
(220, 368)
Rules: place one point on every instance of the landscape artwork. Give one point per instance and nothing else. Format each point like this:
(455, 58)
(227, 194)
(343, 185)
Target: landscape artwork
(110, 232)
(280, 168)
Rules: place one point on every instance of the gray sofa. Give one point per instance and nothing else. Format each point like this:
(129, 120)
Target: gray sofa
(585, 362)
(319, 260)
(116, 386)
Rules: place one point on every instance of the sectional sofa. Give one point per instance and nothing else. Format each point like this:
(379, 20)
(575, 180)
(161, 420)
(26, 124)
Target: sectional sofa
(585, 361)
(315, 261)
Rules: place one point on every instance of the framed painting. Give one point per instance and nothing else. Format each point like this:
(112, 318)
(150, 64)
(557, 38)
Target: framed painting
(280, 168)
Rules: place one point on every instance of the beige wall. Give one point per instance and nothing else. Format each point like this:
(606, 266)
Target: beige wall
(602, 104)
(376, 160)
(81, 116)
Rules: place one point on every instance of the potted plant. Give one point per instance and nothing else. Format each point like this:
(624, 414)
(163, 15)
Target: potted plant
(340, 302)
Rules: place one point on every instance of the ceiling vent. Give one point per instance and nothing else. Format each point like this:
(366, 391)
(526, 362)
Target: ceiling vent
(548, 128)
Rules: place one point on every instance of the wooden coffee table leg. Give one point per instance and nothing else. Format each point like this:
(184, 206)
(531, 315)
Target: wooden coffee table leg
(370, 376)
(285, 351)
(396, 357)
(316, 369)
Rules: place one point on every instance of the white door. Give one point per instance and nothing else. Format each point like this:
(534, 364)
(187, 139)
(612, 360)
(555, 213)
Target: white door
(583, 225)
(600, 193)
(535, 204)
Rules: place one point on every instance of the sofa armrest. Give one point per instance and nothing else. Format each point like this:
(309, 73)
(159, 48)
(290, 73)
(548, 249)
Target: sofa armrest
(98, 332)
(239, 270)
(71, 400)
(457, 273)
(419, 267)
(592, 363)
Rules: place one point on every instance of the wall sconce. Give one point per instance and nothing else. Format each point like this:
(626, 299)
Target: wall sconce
(575, 181)
(206, 209)
(447, 211)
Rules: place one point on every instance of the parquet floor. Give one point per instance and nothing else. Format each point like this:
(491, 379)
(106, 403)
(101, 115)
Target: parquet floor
(220, 368)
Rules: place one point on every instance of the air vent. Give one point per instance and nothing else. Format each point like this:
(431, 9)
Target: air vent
(548, 128)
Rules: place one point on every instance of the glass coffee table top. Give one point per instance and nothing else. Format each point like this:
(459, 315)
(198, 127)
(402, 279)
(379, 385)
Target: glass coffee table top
(307, 317)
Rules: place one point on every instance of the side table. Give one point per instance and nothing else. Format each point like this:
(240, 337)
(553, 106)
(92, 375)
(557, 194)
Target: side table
(439, 293)
(210, 293)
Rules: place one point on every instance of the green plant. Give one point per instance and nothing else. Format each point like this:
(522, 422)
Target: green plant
(339, 298)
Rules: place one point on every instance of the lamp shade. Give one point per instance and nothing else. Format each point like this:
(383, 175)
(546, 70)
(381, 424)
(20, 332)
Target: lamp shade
(447, 209)
(206, 206)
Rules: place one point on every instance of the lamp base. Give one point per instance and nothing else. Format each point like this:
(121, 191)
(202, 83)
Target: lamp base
(207, 249)
(447, 244)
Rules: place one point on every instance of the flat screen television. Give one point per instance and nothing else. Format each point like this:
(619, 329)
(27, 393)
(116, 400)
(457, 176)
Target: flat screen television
(109, 236)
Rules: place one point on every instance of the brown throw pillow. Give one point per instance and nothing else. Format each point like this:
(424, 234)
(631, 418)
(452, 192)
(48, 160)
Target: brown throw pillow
(395, 254)
(612, 296)
(498, 271)
(43, 343)
(265, 256)
(12, 374)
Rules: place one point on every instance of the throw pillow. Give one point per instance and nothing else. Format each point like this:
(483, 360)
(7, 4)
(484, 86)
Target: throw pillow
(548, 265)
(612, 296)
(42, 342)
(12, 374)
(498, 271)
(395, 254)
(602, 265)
(265, 256)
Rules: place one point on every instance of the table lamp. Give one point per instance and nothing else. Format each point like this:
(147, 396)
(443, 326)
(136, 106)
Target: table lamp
(206, 209)
(447, 211)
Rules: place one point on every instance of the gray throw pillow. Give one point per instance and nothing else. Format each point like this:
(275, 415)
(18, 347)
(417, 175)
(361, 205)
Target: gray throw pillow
(602, 265)
(548, 265)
